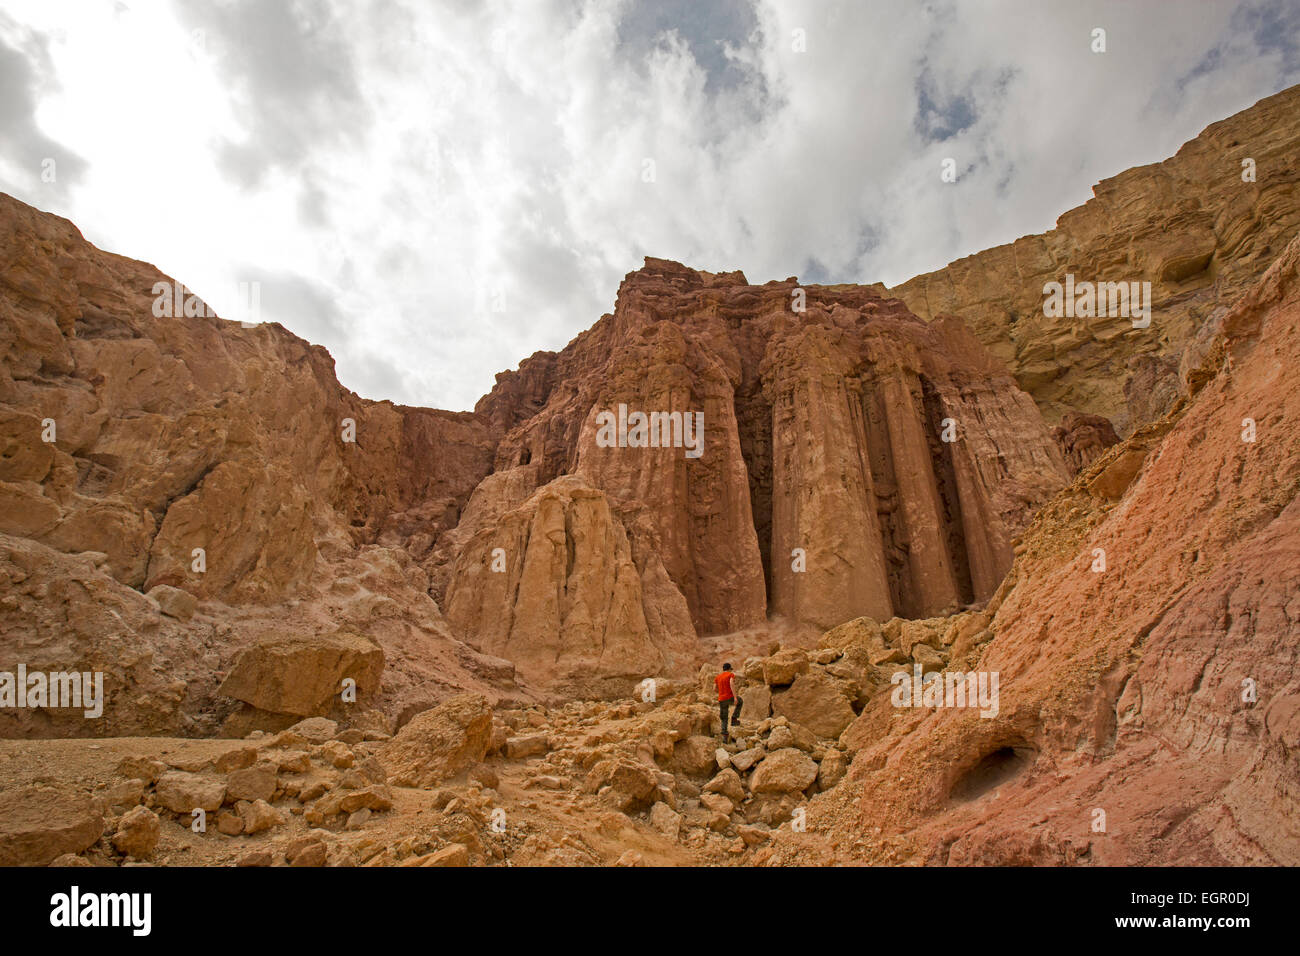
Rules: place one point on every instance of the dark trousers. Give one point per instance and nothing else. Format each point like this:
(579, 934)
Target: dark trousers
(724, 706)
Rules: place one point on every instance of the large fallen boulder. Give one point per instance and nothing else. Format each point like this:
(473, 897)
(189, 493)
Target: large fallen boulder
(817, 702)
(303, 676)
(39, 824)
(439, 743)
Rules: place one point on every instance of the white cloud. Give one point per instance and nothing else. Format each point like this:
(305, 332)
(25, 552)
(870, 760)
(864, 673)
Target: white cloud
(435, 192)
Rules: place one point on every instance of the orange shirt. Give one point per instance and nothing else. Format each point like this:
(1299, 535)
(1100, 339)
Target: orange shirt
(723, 683)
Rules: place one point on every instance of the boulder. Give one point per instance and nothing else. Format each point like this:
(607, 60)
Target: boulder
(315, 730)
(780, 737)
(236, 759)
(303, 675)
(251, 783)
(772, 809)
(728, 784)
(757, 702)
(183, 792)
(306, 851)
(746, 759)
(40, 824)
(454, 855)
(127, 794)
(530, 745)
(258, 815)
(718, 803)
(928, 658)
(694, 756)
(784, 666)
(817, 702)
(439, 743)
(666, 820)
(141, 768)
(832, 769)
(861, 630)
(174, 602)
(630, 783)
(138, 833)
(784, 771)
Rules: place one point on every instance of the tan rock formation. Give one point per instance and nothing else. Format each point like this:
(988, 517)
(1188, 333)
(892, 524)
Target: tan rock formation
(555, 586)
(1160, 690)
(1193, 226)
(825, 488)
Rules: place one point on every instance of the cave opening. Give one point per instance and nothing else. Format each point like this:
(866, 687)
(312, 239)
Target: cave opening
(990, 772)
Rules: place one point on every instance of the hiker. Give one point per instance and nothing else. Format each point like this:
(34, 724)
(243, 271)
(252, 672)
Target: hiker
(725, 682)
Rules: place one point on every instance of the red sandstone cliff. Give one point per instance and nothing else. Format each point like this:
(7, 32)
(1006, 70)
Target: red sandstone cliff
(827, 487)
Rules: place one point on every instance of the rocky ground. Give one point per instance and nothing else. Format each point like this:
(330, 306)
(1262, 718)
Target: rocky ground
(648, 782)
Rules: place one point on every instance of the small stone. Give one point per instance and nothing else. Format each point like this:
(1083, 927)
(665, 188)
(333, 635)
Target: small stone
(306, 851)
(529, 746)
(258, 815)
(454, 855)
(315, 730)
(251, 783)
(183, 792)
(359, 819)
(174, 602)
(236, 759)
(137, 833)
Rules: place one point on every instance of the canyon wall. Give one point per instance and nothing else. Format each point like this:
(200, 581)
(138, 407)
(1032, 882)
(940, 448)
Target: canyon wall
(1200, 227)
(144, 458)
(855, 460)
(1148, 704)
(179, 494)
(852, 459)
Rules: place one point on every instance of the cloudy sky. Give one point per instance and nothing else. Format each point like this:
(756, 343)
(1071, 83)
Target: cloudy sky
(435, 190)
